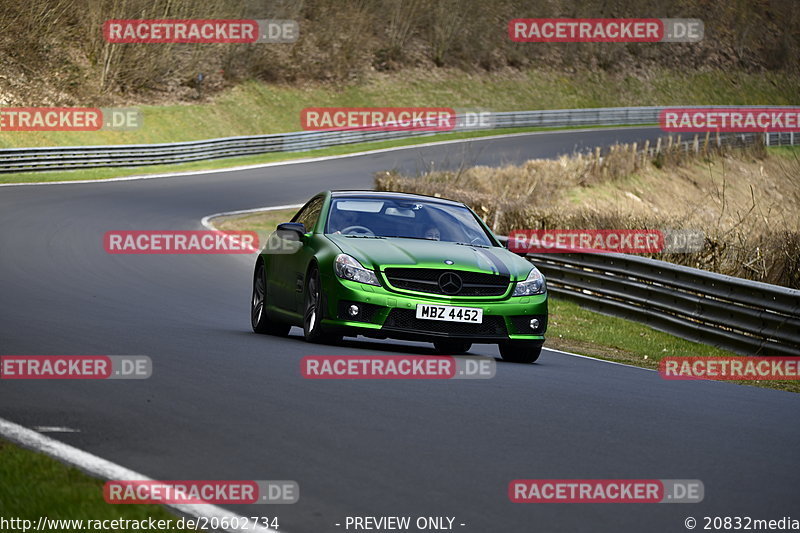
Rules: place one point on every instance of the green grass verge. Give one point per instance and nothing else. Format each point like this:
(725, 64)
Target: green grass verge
(33, 485)
(571, 328)
(230, 162)
(253, 108)
(262, 222)
(785, 151)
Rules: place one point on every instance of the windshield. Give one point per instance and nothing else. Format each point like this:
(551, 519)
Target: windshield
(409, 219)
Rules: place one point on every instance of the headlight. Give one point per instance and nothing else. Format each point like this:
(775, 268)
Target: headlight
(533, 284)
(348, 267)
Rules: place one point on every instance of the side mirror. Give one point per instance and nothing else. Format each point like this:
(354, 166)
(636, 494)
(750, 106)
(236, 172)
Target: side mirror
(293, 231)
(286, 239)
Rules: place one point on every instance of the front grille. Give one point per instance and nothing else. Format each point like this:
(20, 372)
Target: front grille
(406, 319)
(522, 324)
(427, 280)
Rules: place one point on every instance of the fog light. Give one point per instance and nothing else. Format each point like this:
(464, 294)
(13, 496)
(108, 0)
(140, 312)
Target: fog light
(353, 310)
(534, 323)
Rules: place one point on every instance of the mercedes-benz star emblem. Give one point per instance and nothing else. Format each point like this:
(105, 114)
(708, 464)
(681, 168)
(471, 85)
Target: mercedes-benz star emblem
(450, 283)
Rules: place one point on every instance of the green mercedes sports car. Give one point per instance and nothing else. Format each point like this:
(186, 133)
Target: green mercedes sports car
(395, 265)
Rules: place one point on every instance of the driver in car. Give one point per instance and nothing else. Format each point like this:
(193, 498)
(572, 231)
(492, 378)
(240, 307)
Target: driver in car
(343, 219)
(432, 233)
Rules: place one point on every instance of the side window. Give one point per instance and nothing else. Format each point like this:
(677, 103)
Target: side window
(310, 213)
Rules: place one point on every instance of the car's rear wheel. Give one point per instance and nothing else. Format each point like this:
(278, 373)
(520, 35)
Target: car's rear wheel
(312, 311)
(520, 351)
(451, 346)
(258, 316)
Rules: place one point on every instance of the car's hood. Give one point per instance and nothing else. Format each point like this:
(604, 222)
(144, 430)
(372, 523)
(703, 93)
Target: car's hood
(378, 253)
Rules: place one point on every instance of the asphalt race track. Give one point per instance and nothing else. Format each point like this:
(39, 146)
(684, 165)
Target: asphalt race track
(225, 403)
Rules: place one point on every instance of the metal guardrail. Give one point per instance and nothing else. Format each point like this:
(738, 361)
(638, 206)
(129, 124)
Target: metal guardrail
(742, 316)
(76, 157)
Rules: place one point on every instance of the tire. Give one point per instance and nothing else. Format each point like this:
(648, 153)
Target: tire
(452, 346)
(312, 311)
(520, 351)
(258, 318)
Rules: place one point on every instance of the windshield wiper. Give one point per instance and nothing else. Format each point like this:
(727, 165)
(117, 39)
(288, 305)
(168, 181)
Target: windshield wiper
(470, 244)
(364, 236)
(407, 237)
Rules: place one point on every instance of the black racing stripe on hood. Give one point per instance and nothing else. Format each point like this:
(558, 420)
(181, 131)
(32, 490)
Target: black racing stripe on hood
(496, 261)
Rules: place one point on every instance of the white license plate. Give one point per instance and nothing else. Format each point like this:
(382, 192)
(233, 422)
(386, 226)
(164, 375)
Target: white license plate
(448, 313)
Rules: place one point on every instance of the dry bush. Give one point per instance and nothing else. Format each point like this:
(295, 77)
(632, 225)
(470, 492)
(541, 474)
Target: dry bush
(59, 42)
(750, 233)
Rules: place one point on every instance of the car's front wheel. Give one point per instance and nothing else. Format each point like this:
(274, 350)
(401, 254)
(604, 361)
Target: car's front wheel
(312, 311)
(452, 347)
(258, 315)
(520, 351)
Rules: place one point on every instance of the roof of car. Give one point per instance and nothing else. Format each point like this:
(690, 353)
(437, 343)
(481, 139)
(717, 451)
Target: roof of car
(389, 194)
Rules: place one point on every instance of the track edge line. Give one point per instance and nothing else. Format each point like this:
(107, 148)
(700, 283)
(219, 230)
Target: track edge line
(105, 469)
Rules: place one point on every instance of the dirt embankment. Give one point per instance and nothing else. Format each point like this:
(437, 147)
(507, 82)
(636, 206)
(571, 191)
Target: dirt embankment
(53, 51)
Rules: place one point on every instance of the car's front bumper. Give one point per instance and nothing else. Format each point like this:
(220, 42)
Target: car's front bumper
(384, 313)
